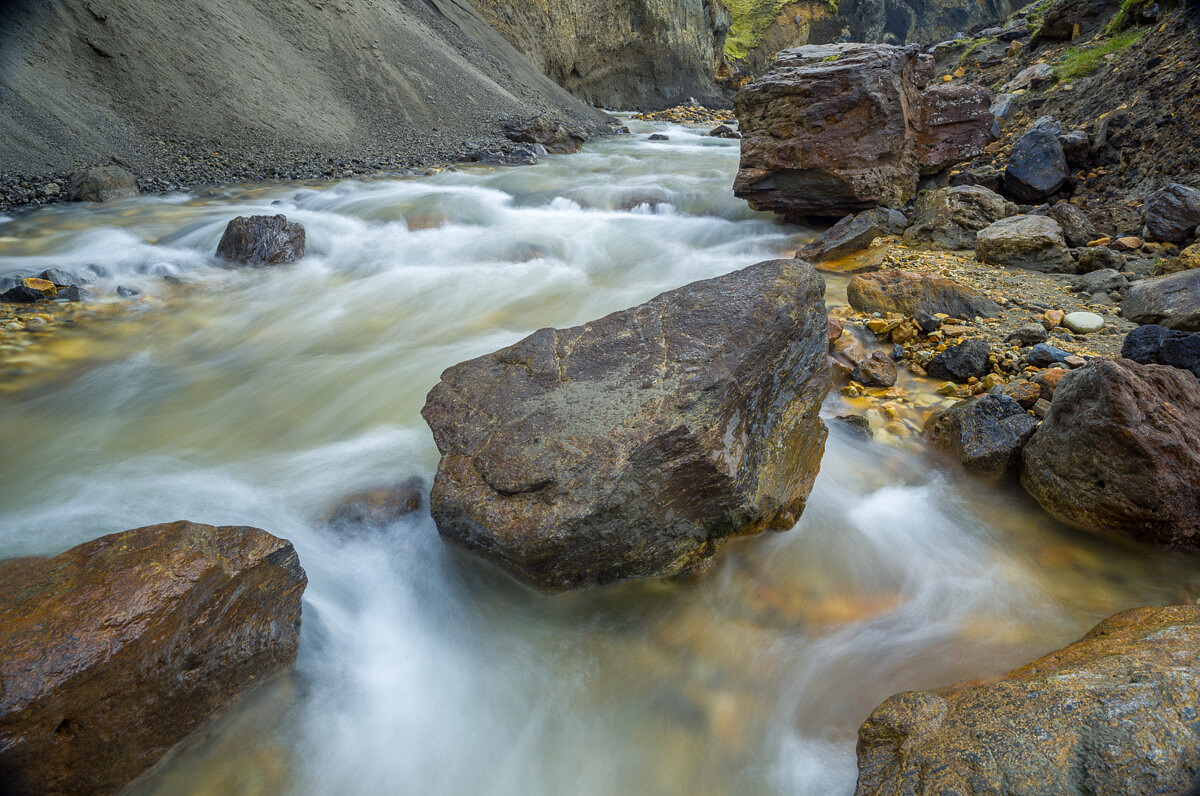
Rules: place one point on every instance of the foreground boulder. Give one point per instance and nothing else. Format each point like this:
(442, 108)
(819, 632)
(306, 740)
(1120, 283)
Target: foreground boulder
(113, 651)
(985, 434)
(556, 137)
(262, 240)
(840, 128)
(101, 184)
(852, 234)
(1113, 713)
(949, 218)
(1172, 213)
(1119, 451)
(914, 293)
(635, 445)
(1034, 243)
(1171, 301)
(1158, 345)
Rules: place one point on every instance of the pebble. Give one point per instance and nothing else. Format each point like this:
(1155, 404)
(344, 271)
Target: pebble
(1083, 322)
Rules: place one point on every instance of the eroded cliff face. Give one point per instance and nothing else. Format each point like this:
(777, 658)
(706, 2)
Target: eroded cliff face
(629, 54)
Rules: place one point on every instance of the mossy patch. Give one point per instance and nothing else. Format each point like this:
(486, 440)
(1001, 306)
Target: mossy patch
(1084, 59)
(1117, 23)
(749, 19)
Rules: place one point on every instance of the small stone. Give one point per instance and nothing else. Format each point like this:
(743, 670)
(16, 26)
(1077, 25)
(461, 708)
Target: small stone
(1043, 355)
(1041, 408)
(855, 425)
(947, 388)
(1028, 335)
(1127, 243)
(124, 291)
(43, 286)
(1100, 242)
(1074, 361)
(878, 370)
(1026, 393)
(1083, 322)
(1052, 318)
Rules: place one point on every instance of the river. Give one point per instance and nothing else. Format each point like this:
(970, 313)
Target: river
(261, 397)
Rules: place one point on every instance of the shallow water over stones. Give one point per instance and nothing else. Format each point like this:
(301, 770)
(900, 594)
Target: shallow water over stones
(263, 397)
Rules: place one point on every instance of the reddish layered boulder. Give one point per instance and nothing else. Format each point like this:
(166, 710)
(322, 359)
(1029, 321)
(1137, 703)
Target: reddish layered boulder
(113, 651)
(1113, 713)
(913, 293)
(839, 128)
(1119, 450)
(635, 445)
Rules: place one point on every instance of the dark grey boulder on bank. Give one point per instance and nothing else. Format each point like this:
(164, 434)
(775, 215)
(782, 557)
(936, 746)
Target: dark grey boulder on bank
(959, 363)
(853, 233)
(636, 444)
(985, 434)
(1158, 345)
(1171, 301)
(1037, 167)
(557, 137)
(1034, 243)
(101, 184)
(1172, 213)
(262, 240)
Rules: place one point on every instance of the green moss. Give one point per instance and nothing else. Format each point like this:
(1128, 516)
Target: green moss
(1083, 59)
(749, 19)
(975, 45)
(1117, 23)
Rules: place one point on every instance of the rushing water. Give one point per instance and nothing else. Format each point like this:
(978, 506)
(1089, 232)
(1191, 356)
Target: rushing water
(262, 396)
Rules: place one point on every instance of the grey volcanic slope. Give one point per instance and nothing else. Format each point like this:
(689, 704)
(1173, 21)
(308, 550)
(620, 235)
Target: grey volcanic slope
(148, 83)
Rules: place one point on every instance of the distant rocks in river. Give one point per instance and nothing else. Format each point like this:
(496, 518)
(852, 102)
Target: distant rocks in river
(558, 138)
(839, 128)
(1113, 713)
(636, 444)
(113, 651)
(1119, 451)
(262, 240)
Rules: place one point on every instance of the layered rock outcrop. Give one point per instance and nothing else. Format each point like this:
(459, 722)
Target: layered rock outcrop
(1119, 451)
(836, 129)
(113, 651)
(634, 445)
(913, 293)
(1113, 713)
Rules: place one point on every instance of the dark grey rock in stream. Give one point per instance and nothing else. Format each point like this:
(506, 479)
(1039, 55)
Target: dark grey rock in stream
(985, 434)
(855, 426)
(375, 509)
(262, 240)
(959, 363)
(59, 277)
(853, 233)
(558, 138)
(636, 444)
(22, 294)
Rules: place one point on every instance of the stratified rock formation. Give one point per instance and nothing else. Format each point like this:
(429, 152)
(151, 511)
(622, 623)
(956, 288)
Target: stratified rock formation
(1113, 713)
(636, 444)
(1119, 451)
(913, 293)
(113, 651)
(837, 129)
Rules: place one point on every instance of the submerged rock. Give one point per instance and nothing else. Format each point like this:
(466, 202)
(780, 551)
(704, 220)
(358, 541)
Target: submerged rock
(1119, 451)
(1113, 713)
(950, 218)
(375, 509)
(840, 128)
(262, 240)
(917, 293)
(1171, 301)
(636, 444)
(877, 370)
(115, 650)
(985, 434)
(852, 234)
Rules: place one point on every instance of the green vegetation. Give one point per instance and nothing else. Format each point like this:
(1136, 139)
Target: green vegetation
(749, 19)
(975, 45)
(1083, 60)
(1117, 23)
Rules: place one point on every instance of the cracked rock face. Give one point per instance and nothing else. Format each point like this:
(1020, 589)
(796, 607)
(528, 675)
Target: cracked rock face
(634, 445)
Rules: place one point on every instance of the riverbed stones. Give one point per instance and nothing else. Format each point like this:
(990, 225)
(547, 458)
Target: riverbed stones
(959, 363)
(985, 434)
(853, 233)
(101, 184)
(558, 138)
(877, 370)
(949, 218)
(1171, 301)
(1037, 167)
(916, 293)
(113, 651)
(262, 240)
(1153, 344)
(1083, 322)
(834, 129)
(1119, 451)
(1043, 355)
(376, 509)
(1030, 334)
(1113, 713)
(1172, 213)
(1034, 243)
(636, 444)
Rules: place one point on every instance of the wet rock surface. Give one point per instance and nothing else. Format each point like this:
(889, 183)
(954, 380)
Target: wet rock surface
(911, 293)
(1119, 451)
(853, 233)
(101, 184)
(558, 138)
(636, 444)
(960, 362)
(375, 509)
(985, 434)
(1113, 713)
(262, 240)
(836, 129)
(1158, 345)
(113, 651)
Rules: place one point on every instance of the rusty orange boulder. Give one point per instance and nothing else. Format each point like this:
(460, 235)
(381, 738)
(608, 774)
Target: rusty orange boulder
(113, 651)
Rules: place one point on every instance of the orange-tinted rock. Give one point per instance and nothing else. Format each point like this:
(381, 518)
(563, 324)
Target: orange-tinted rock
(115, 650)
(835, 326)
(913, 293)
(1113, 713)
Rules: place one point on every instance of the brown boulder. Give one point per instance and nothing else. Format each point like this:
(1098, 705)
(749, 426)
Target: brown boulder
(262, 240)
(1113, 713)
(113, 651)
(911, 293)
(840, 128)
(1119, 451)
(556, 137)
(636, 444)
(377, 508)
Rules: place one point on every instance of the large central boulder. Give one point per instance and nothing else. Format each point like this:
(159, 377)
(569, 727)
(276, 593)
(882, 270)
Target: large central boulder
(113, 651)
(1113, 713)
(634, 445)
(839, 128)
